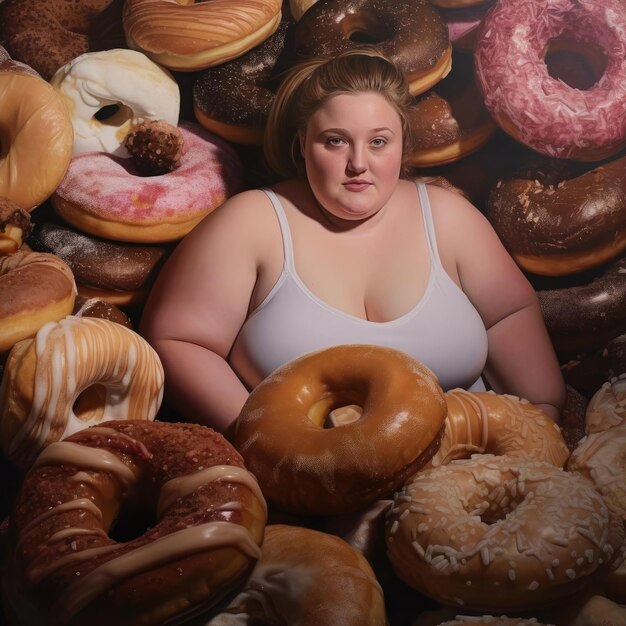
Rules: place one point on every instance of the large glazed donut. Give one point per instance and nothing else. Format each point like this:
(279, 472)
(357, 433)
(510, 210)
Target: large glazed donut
(47, 35)
(543, 112)
(128, 80)
(497, 533)
(104, 195)
(191, 36)
(207, 525)
(45, 376)
(484, 422)
(308, 469)
(36, 288)
(32, 115)
(409, 32)
(308, 578)
(557, 228)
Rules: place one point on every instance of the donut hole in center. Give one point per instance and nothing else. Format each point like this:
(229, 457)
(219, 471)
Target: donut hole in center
(500, 502)
(338, 407)
(365, 29)
(131, 524)
(89, 405)
(114, 114)
(578, 65)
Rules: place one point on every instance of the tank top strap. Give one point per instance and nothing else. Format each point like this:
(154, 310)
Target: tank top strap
(284, 230)
(429, 226)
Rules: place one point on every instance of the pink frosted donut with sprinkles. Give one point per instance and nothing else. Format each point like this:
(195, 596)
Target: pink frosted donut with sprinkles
(105, 195)
(542, 111)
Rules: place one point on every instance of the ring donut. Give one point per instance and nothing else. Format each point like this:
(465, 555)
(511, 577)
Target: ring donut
(542, 111)
(45, 376)
(65, 568)
(188, 36)
(559, 228)
(409, 32)
(308, 469)
(497, 533)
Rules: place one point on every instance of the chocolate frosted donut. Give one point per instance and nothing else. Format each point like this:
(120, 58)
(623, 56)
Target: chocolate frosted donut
(410, 32)
(92, 307)
(555, 229)
(232, 100)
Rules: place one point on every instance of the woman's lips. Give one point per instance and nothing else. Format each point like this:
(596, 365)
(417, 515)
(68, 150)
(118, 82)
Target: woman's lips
(356, 185)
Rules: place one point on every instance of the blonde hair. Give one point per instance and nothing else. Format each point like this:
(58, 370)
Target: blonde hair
(308, 85)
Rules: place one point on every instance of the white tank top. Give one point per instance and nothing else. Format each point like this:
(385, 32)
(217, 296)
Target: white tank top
(443, 330)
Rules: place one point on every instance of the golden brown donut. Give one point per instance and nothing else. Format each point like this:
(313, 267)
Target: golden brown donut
(32, 115)
(15, 226)
(208, 522)
(189, 36)
(47, 35)
(560, 228)
(92, 307)
(496, 533)
(308, 469)
(45, 376)
(36, 288)
(409, 32)
(308, 578)
(484, 422)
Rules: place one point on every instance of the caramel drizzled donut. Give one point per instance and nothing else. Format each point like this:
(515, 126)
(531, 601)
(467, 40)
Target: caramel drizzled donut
(15, 226)
(66, 569)
(484, 422)
(192, 36)
(565, 227)
(409, 32)
(45, 376)
(496, 533)
(308, 469)
(583, 318)
(308, 578)
(36, 288)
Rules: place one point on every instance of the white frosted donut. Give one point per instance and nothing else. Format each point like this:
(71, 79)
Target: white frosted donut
(129, 79)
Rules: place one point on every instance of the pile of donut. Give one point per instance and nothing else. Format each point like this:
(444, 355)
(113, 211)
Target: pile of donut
(122, 124)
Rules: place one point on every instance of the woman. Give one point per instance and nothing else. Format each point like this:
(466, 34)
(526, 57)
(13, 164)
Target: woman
(344, 251)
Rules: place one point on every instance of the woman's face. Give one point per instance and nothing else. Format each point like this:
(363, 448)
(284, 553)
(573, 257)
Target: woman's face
(353, 154)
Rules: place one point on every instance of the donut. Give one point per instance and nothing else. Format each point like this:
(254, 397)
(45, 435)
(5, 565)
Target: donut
(307, 577)
(409, 32)
(582, 318)
(32, 115)
(92, 307)
(36, 288)
(15, 226)
(540, 110)
(485, 422)
(208, 517)
(607, 407)
(450, 121)
(566, 227)
(45, 376)
(233, 100)
(47, 35)
(188, 36)
(498, 533)
(463, 20)
(125, 80)
(298, 7)
(118, 273)
(305, 468)
(103, 195)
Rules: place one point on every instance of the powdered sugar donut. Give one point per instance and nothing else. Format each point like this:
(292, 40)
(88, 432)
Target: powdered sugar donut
(140, 89)
(541, 111)
(105, 196)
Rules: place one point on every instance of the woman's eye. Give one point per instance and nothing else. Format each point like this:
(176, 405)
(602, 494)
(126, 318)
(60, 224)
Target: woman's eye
(334, 141)
(379, 142)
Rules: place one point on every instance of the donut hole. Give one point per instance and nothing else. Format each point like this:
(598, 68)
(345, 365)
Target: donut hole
(114, 114)
(579, 65)
(90, 403)
(339, 407)
(365, 29)
(130, 525)
(499, 502)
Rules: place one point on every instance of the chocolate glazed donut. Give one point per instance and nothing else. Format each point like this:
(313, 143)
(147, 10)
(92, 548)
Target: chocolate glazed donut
(562, 228)
(582, 319)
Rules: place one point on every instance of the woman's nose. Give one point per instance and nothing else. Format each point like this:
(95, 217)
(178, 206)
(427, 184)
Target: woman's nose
(356, 161)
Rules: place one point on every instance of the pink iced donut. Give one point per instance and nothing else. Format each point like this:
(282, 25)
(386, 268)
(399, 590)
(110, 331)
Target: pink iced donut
(104, 195)
(541, 111)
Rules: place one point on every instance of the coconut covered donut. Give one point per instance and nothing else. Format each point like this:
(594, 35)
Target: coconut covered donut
(541, 111)
(105, 195)
(496, 533)
(607, 407)
(308, 469)
(209, 521)
(409, 32)
(308, 578)
(126, 79)
(192, 36)
(484, 422)
(555, 228)
(44, 377)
